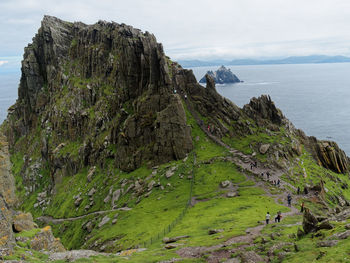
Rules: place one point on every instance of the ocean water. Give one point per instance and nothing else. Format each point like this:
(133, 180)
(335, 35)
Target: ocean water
(9, 80)
(8, 91)
(315, 97)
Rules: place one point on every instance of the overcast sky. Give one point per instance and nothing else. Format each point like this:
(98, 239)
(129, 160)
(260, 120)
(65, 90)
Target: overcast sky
(198, 29)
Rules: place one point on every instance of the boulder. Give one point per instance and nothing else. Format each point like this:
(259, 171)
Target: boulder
(78, 201)
(232, 194)
(309, 222)
(327, 243)
(116, 196)
(215, 231)
(73, 255)
(150, 185)
(92, 192)
(88, 226)
(225, 184)
(343, 235)
(91, 173)
(170, 172)
(44, 240)
(171, 246)
(104, 221)
(264, 148)
(325, 225)
(23, 222)
(173, 239)
(250, 257)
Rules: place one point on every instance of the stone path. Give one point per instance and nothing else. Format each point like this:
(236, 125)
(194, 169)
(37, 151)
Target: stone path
(244, 162)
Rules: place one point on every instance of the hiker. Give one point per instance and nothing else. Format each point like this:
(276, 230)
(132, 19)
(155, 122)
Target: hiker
(278, 182)
(262, 175)
(255, 164)
(278, 217)
(305, 190)
(268, 175)
(298, 190)
(267, 218)
(208, 128)
(302, 207)
(251, 166)
(289, 199)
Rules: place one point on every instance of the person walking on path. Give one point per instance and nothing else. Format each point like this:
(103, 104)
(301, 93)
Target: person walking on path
(298, 191)
(278, 182)
(268, 175)
(278, 217)
(268, 218)
(302, 207)
(289, 199)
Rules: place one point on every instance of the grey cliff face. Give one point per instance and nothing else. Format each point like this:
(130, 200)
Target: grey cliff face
(80, 81)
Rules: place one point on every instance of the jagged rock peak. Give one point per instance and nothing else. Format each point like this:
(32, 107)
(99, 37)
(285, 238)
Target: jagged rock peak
(80, 81)
(221, 76)
(263, 108)
(210, 82)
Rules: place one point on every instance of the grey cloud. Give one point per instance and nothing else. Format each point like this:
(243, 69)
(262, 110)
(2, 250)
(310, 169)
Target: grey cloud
(198, 28)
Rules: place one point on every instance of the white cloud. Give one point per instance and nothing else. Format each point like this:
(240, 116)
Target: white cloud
(2, 62)
(201, 28)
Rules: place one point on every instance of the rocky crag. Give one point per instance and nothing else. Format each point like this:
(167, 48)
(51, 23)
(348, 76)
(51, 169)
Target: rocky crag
(221, 76)
(106, 127)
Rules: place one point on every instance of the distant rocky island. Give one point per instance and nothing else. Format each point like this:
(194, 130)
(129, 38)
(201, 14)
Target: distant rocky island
(222, 76)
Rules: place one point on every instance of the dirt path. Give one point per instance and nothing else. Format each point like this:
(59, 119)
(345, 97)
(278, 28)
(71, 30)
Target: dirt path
(253, 173)
(52, 220)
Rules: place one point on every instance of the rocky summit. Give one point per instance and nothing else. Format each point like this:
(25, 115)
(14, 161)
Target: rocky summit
(222, 76)
(114, 153)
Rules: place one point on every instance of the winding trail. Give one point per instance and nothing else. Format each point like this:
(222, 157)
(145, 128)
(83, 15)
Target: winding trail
(52, 220)
(244, 162)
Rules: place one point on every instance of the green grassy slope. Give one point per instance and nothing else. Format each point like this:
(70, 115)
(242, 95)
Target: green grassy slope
(165, 210)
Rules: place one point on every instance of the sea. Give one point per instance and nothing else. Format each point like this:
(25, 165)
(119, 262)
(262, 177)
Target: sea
(315, 97)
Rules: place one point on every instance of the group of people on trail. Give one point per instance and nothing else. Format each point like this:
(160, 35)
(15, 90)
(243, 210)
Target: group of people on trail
(278, 217)
(273, 182)
(289, 200)
(305, 191)
(253, 164)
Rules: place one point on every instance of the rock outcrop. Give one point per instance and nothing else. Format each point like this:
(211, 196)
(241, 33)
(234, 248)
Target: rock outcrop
(94, 89)
(7, 201)
(263, 110)
(329, 155)
(12, 221)
(221, 76)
